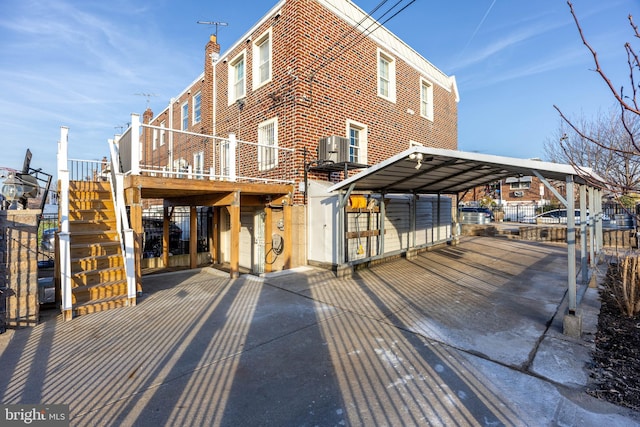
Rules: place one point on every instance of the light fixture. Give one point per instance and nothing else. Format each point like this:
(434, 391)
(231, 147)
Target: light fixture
(19, 185)
(418, 158)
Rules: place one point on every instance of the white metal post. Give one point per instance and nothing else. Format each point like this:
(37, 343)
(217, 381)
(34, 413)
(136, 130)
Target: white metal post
(64, 247)
(584, 268)
(598, 202)
(130, 265)
(594, 216)
(571, 243)
(232, 157)
(136, 144)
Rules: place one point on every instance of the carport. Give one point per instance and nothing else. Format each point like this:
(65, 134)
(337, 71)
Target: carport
(424, 170)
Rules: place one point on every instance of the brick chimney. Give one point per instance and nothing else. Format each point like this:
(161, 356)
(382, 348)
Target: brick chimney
(212, 53)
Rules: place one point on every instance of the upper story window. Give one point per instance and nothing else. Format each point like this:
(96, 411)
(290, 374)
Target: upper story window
(197, 111)
(268, 144)
(184, 116)
(357, 135)
(519, 185)
(262, 60)
(237, 78)
(426, 99)
(386, 76)
(163, 133)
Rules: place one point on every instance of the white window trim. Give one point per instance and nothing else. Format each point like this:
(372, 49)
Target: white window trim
(262, 149)
(364, 136)
(183, 116)
(429, 115)
(198, 158)
(231, 77)
(155, 139)
(267, 35)
(413, 143)
(392, 75)
(163, 132)
(194, 121)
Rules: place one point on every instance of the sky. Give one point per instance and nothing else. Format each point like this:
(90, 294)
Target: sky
(89, 64)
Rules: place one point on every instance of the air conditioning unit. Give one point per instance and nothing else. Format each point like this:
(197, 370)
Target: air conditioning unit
(518, 193)
(333, 149)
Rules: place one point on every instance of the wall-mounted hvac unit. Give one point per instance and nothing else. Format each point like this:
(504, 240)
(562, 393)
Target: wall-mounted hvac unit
(518, 193)
(333, 149)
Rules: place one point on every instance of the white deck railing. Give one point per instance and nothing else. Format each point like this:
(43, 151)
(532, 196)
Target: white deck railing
(157, 151)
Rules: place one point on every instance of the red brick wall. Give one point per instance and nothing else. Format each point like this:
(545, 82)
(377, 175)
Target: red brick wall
(317, 84)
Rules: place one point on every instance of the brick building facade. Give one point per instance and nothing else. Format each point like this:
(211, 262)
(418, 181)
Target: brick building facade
(307, 70)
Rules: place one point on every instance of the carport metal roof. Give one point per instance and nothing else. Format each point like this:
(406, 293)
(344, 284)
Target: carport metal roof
(425, 170)
(451, 172)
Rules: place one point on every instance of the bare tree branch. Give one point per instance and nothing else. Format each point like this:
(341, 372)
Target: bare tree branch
(598, 69)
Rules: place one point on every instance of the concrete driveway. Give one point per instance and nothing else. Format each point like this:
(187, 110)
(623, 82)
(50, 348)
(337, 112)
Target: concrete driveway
(465, 335)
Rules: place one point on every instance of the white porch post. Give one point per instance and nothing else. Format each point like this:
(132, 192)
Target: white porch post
(136, 144)
(64, 247)
(232, 157)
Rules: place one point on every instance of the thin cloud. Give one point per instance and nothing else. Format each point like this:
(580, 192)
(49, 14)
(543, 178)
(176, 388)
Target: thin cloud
(505, 42)
(473, 35)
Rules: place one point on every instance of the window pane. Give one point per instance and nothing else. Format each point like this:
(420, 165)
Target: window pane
(267, 151)
(354, 144)
(383, 73)
(264, 61)
(239, 79)
(196, 107)
(185, 116)
(424, 100)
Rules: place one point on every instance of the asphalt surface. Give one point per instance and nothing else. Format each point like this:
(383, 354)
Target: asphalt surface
(463, 335)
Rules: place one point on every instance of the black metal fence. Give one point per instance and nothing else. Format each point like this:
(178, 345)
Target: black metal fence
(152, 222)
(179, 232)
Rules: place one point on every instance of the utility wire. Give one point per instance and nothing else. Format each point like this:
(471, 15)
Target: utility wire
(363, 34)
(353, 28)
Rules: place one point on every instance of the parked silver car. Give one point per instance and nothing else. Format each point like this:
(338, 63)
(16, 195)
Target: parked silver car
(556, 216)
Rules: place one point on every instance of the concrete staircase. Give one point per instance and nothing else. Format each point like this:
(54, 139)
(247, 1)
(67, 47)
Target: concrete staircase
(98, 274)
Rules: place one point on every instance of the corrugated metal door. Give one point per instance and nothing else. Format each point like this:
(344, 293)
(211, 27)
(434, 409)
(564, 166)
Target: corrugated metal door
(397, 224)
(424, 221)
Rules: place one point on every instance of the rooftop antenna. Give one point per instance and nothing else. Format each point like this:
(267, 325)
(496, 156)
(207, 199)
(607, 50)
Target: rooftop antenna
(215, 23)
(146, 95)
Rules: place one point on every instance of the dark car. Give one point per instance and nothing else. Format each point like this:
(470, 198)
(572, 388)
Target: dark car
(475, 215)
(153, 236)
(48, 240)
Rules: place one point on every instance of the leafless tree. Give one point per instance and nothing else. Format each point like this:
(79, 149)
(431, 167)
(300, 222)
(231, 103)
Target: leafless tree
(605, 140)
(614, 157)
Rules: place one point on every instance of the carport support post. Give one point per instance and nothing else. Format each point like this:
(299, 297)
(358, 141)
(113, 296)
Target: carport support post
(594, 216)
(383, 215)
(584, 267)
(598, 202)
(572, 322)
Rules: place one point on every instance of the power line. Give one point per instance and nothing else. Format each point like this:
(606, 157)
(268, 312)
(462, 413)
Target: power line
(376, 23)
